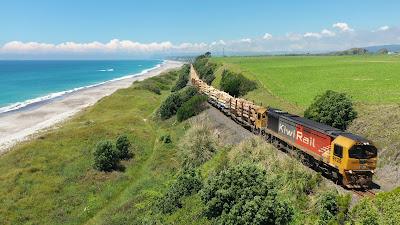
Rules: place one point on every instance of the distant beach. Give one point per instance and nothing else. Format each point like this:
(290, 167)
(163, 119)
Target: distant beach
(20, 124)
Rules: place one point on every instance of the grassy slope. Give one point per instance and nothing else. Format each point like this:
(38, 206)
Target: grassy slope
(51, 181)
(291, 83)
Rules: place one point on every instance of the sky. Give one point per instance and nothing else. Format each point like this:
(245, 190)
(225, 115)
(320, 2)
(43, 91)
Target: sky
(139, 29)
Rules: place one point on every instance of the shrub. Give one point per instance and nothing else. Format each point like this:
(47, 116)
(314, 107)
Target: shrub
(123, 147)
(328, 206)
(171, 105)
(236, 84)
(151, 87)
(332, 108)
(187, 183)
(241, 195)
(166, 139)
(197, 146)
(106, 157)
(204, 68)
(286, 172)
(182, 79)
(192, 107)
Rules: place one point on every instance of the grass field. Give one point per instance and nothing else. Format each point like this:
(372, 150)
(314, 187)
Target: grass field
(298, 79)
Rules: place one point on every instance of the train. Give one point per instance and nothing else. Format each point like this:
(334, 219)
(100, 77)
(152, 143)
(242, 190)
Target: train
(348, 159)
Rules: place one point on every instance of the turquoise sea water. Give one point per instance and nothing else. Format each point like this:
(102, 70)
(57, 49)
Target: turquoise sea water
(27, 82)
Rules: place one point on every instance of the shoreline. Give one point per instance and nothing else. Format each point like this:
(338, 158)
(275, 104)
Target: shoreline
(23, 123)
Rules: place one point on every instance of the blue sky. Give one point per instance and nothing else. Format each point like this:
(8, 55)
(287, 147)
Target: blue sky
(235, 25)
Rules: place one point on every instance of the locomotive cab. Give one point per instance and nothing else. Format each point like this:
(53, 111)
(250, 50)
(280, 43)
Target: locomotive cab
(355, 158)
(261, 118)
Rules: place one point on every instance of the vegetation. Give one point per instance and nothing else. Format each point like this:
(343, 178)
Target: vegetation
(384, 208)
(183, 78)
(197, 146)
(298, 79)
(123, 146)
(192, 107)
(205, 69)
(236, 84)
(106, 158)
(187, 183)
(332, 108)
(174, 101)
(241, 195)
(54, 173)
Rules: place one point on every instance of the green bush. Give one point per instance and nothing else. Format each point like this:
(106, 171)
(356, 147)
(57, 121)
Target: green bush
(174, 101)
(192, 107)
(242, 195)
(332, 108)
(187, 183)
(151, 87)
(166, 139)
(236, 84)
(182, 79)
(205, 69)
(106, 158)
(384, 208)
(197, 146)
(123, 145)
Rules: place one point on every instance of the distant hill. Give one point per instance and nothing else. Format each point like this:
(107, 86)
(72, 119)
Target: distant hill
(390, 48)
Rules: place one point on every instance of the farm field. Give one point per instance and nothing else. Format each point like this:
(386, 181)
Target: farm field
(298, 79)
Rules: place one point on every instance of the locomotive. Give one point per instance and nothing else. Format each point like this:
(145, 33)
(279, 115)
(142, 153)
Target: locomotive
(346, 158)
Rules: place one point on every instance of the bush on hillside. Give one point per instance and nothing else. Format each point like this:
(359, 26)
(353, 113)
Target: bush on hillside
(174, 101)
(192, 107)
(205, 69)
(166, 138)
(384, 208)
(236, 84)
(151, 87)
(106, 158)
(242, 195)
(198, 145)
(123, 146)
(182, 79)
(332, 108)
(333, 208)
(289, 173)
(187, 183)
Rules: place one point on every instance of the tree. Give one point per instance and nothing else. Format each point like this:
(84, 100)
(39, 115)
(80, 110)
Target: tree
(383, 51)
(106, 157)
(123, 147)
(236, 84)
(332, 108)
(242, 195)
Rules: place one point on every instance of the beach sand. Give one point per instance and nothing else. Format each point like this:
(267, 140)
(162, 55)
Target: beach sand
(23, 124)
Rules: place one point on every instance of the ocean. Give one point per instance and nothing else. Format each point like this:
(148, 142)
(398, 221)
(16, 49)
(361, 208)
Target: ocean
(23, 83)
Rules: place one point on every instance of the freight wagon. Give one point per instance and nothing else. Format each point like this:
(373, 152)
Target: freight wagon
(345, 157)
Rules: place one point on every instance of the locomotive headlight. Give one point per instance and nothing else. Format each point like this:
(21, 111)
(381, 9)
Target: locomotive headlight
(351, 171)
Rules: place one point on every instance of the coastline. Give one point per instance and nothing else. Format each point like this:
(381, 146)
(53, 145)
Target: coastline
(22, 124)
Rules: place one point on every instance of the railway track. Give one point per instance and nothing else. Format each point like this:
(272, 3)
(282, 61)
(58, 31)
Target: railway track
(364, 193)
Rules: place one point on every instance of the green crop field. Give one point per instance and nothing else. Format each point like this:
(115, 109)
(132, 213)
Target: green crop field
(298, 79)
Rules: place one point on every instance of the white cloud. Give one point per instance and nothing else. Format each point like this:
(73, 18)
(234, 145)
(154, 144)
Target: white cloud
(383, 28)
(313, 35)
(267, 36)
(328, 33)
(342, 26)
(246, 40)
(293, 36)
(220, 42)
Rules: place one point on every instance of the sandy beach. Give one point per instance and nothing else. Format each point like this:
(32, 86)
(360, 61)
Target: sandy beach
(21, 125)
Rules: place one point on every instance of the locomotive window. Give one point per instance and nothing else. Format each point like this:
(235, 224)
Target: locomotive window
(259, 116)
(363, 152)
(338, 150)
